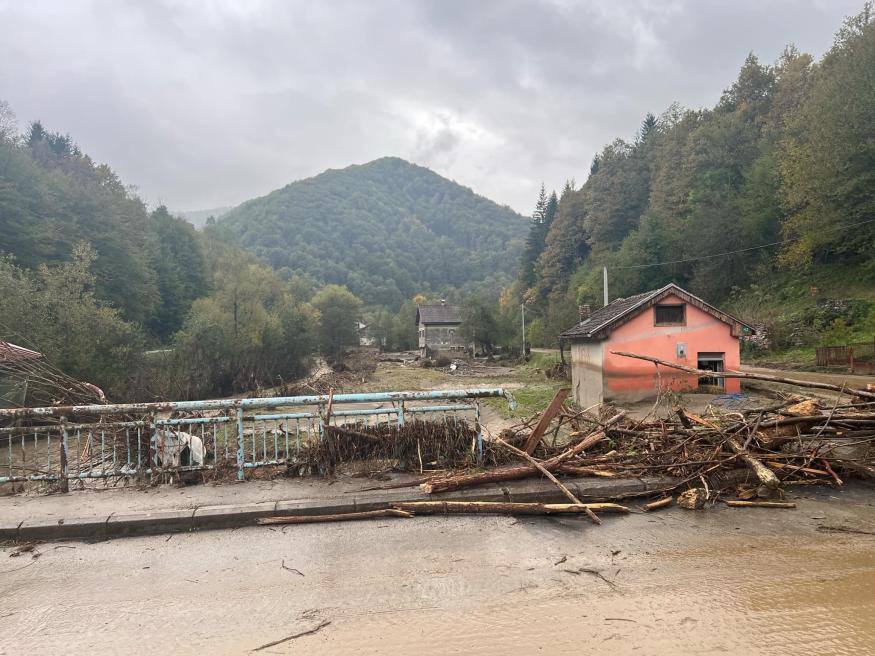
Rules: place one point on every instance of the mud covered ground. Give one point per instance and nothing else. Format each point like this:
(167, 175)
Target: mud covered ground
(725, 581)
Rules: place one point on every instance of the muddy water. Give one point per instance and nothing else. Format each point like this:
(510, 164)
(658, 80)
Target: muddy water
(718, 582)
(726, 597)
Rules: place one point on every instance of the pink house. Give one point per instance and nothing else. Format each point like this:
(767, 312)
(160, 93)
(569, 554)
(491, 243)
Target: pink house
(668, 323)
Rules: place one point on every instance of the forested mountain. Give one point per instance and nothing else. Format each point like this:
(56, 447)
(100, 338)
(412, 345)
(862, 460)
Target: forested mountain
(387, 230)
(91, 279)
(786, 158)
(52, 196)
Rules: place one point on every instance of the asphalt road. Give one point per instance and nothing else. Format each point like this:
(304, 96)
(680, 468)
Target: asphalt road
(721, 581)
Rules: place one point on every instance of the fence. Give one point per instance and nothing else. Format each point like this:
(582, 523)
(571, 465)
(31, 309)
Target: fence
(858, 358)
(142, 439)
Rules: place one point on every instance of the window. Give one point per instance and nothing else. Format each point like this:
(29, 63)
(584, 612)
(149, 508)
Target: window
(670, 315)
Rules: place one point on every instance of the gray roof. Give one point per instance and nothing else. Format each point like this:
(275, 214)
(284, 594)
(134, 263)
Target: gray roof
(602, 320)
(440, 313)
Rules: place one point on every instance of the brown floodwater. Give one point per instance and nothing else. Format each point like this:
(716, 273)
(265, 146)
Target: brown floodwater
(727, 596)
(722, 581)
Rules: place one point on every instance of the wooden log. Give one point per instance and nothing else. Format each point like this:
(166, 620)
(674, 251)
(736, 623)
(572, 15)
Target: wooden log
(795, 468)
(553, 479)
(858, 467)
(659, 503)
(516, 473)
(760, 504)
(546, 417)
(504, 508)
(574, 470)
(342, 517)
(729, 373)
(685, 421)
(765, 475)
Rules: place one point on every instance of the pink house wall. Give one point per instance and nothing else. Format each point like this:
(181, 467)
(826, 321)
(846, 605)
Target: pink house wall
(626, 378)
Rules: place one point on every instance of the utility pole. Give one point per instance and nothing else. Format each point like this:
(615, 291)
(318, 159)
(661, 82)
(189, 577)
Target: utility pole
(605, 273)
(523, 307)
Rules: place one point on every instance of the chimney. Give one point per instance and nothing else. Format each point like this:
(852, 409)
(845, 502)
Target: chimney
(584, 311)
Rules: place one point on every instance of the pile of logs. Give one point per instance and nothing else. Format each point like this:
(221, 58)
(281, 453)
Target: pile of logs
(796, 440)
(792, 441)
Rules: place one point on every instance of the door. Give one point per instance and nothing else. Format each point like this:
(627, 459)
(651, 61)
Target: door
(711, 362)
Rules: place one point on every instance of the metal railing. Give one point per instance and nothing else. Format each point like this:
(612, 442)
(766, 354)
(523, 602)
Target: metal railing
(143, 439)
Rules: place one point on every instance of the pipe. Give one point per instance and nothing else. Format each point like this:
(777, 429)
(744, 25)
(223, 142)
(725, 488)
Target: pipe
(242, 404)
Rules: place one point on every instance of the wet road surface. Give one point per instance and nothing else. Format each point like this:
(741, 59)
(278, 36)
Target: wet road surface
(725, 581)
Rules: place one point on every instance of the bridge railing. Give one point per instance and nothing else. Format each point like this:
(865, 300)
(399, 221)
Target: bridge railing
(58, 443)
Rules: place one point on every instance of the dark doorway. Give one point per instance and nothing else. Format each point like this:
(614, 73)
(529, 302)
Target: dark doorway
(711, 362)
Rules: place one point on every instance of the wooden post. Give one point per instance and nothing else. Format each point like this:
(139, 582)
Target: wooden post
(547, 416)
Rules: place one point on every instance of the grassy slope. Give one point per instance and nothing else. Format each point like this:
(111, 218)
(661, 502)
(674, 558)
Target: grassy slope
(790, 293)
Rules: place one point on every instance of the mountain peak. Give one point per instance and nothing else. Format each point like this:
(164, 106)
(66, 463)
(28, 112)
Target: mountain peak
(388, 229)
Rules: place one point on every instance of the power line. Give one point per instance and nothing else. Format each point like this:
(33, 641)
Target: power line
(740, 250)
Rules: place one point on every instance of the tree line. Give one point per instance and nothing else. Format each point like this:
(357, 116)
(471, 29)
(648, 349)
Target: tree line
(779, 174)
(137, 301)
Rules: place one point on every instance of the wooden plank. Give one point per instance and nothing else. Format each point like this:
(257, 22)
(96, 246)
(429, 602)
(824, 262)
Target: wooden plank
(504, 508)
(548, 416)
(759, 504)
(342, 517)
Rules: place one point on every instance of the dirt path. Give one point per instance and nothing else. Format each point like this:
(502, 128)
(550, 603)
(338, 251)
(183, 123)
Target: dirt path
(852, 380)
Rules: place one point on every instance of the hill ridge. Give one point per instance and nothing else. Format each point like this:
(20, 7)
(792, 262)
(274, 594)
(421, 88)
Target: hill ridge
(394, 229)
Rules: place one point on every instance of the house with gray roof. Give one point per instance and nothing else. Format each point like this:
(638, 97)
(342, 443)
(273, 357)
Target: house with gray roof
(439, 330)
(668, 323)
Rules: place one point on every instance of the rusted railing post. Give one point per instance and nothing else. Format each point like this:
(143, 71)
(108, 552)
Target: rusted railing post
(240, 445)
(63, 483)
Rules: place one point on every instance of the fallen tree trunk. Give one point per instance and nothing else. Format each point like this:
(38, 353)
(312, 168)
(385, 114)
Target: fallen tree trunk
(752, 376)
(450, 483)
(505, 508)
(552, 478)
(342, 517)
(765, 475)
(574, 470)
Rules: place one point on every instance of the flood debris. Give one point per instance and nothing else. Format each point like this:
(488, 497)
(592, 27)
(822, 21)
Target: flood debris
(339, 517)
(294, 636)
(758, 504)
(751, 454)
(658, 504)
(693, 499)
(417, 445)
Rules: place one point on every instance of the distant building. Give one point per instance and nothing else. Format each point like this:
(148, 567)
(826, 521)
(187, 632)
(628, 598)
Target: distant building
(669, 324)
(366, 334)
(439, 330)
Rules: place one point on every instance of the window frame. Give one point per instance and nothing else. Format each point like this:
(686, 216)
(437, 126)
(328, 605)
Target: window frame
(682, 322)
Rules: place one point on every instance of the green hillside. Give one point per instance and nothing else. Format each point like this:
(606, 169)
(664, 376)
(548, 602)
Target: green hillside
(387, 230)
(764, 203)
(53, 196)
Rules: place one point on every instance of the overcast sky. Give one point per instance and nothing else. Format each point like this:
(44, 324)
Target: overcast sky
(205, 104)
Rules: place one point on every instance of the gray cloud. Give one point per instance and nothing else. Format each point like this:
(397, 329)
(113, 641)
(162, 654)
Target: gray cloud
(208, 104)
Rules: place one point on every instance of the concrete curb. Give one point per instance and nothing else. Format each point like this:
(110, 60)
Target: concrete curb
(239, 515)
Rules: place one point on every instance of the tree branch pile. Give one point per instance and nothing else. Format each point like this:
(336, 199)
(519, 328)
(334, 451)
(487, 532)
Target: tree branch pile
(796, 441)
